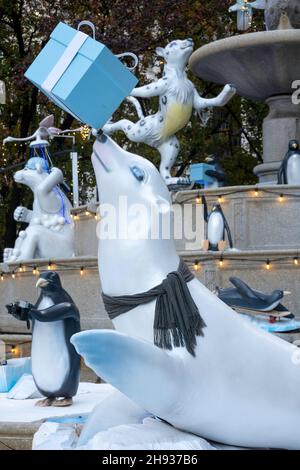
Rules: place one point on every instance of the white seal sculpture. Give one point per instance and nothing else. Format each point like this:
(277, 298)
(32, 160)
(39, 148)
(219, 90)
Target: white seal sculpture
(241, 389)
(177, 99)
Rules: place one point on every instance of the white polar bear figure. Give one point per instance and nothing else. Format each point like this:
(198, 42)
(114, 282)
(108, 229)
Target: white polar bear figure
(177, 99)
(50, 233)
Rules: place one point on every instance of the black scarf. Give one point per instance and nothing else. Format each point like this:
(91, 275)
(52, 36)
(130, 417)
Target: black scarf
(177, 321)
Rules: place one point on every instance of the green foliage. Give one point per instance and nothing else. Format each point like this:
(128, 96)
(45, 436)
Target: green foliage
(138, 26)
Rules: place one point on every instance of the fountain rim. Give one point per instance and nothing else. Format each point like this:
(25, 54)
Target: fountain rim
(208, 63)
(239, 41)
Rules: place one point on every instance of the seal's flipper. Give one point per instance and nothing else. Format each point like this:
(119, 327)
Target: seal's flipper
(143, 372)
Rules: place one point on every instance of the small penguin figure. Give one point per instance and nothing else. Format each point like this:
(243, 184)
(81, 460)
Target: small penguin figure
(217, 173)
(289, 171)
(217, 225)
(55, 319)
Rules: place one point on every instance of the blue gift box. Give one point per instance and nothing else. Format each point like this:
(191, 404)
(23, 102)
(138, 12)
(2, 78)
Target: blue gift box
(81, 75)
(12, 372)
(198, 175)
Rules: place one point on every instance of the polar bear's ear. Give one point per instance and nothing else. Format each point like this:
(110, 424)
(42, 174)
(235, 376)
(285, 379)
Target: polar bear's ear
(39, 168)
(160, 52)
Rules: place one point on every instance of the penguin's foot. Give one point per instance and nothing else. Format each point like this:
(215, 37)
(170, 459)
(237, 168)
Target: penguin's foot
(60, 402)
(45, 402)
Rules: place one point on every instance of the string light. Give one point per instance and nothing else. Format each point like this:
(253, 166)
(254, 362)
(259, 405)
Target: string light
(13, 275)
(85, 132)
(13, 349)
(220, 199)
(21, 268)
(198, 199)
(2, 276)
(296, 261)
(256, 193)
(49, 266)
(81, 271)
(87, 213)
(34, 271)
(281, 198)
(268, 265)
(196, 265)
(97, 216)
(221, 262)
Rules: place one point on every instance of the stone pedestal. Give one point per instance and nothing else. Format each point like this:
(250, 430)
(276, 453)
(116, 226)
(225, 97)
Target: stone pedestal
(281, 125)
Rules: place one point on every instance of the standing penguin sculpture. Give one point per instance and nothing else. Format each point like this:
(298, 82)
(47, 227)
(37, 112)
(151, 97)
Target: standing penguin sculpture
(55, 363)
(289, 171)
(217, 225)
(233, 386)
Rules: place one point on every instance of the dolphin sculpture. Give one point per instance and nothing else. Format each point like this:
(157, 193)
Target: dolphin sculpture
(242, 386)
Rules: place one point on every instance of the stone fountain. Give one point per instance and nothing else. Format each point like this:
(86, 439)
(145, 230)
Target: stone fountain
(263, 67)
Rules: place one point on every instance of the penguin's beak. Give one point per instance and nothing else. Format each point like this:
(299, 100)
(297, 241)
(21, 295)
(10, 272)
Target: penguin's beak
(41, 283)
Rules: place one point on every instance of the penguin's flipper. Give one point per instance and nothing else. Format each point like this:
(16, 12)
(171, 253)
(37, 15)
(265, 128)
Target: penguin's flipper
(226, 229)
(205, 210)
(54, 313)
(144, 373)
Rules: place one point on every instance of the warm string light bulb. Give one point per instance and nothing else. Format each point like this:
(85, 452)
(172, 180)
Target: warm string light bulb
(296, 261)
(196, 265)
(34, 271)
(49, 266)
(13, 275)
(13, 349)
(85, 132)
(198, 199)
(81, 271)
(268, 265)
(281, 198)
(256, 192)
(220, 199)
(87, 213)
(221, 262)
(21, 269)
(2, 276)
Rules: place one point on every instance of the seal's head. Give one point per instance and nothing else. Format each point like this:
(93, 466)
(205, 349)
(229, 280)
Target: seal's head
(123, 174)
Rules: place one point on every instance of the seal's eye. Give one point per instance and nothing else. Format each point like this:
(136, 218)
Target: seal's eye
(138, 173)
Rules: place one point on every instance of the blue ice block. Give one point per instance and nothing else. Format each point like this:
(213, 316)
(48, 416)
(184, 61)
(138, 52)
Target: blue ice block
(12, 372)
(198, 173)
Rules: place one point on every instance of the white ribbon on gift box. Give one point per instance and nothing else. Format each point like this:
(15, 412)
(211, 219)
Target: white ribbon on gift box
(61, 66)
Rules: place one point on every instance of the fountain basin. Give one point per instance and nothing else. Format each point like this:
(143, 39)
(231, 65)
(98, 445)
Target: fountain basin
(260, 65)
(263, 67)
